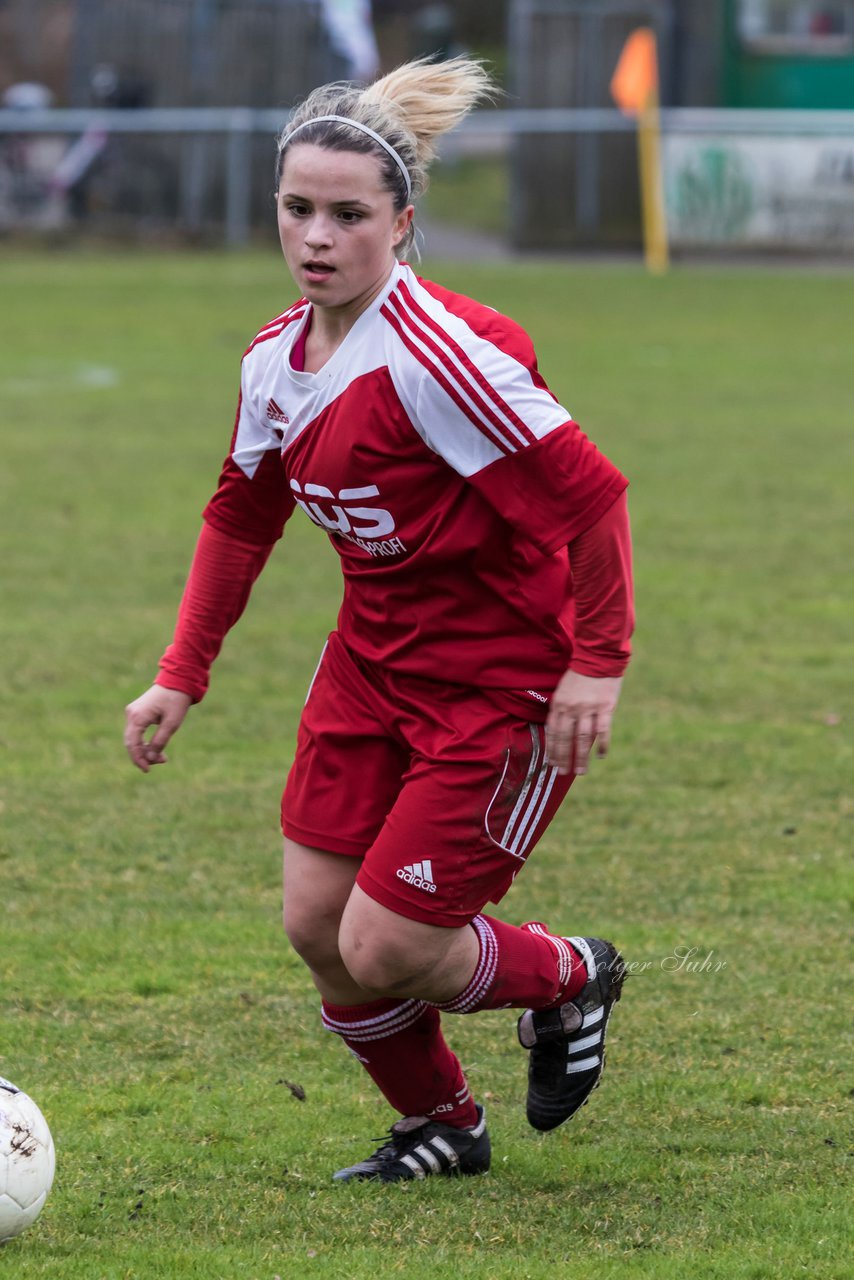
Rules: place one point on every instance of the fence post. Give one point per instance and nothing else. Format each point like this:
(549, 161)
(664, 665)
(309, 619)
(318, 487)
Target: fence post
(588, 145)
(238, 176)
(519, 70)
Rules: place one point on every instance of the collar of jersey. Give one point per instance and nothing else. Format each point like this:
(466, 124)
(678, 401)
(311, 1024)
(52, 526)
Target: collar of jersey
(340, 355)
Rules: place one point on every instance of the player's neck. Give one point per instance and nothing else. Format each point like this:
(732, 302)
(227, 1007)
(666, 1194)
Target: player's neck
(323, 339)
(330, 325)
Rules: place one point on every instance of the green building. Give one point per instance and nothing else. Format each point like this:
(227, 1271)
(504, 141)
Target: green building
(788, 53)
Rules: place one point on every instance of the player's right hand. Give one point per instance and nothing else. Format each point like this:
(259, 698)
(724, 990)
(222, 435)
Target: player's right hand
(164, 707)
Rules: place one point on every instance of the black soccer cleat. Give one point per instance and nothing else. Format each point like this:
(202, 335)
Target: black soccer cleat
(418, 1147)
(567, 1044)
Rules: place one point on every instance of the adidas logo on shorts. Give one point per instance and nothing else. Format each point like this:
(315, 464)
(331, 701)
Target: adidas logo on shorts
(419, 875)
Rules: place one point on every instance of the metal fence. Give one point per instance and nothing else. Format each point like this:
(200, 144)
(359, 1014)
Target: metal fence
(249, 53)
(131, 186)
(139, 172)
(152, 53)
(140, 55)
(563, 55)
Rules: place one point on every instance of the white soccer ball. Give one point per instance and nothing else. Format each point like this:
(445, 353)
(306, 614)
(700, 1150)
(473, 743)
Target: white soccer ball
(27, 1161)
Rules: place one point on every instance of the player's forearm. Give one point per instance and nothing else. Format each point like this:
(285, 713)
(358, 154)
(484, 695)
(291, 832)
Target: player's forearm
(220, 580)
(601, 566)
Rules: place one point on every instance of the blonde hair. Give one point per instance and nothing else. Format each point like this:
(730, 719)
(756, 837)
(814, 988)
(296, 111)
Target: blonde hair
(410, 108)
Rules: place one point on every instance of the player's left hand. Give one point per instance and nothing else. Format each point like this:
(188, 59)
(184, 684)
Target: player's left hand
(580, 713)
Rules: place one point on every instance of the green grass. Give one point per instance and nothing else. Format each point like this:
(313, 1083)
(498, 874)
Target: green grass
(147, 997)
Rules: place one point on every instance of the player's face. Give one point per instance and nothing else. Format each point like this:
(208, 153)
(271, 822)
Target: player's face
(337, 225)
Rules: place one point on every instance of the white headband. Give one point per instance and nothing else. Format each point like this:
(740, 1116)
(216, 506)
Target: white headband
(355, 124)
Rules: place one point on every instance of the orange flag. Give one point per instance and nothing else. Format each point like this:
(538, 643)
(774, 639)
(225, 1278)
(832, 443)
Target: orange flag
(634, 84)
(634, 87)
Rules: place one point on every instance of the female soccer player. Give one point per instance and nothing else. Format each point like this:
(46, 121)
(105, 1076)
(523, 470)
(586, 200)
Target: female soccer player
(480, 645)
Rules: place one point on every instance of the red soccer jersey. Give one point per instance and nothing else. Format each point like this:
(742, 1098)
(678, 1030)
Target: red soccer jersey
(446, 475)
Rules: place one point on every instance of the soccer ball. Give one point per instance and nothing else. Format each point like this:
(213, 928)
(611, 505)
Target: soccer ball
(27, 1161)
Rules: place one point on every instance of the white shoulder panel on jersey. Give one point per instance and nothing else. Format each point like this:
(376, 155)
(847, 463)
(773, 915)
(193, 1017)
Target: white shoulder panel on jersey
(252, 439)
(257, 421)
(469, 400)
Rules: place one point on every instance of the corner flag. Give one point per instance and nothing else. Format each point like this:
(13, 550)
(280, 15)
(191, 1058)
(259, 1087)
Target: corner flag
(634, 83)
(634, 88)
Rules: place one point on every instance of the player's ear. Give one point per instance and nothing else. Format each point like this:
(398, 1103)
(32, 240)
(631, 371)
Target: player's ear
(401, 224)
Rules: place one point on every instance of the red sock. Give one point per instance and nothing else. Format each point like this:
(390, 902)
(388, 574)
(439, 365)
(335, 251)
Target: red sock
(401, 1046)
(523, 968)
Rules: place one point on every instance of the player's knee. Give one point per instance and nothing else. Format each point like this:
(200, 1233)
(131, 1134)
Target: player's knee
(382, 965)
(313, 933)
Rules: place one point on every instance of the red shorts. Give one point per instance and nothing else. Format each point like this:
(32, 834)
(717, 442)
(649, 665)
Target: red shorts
(438, 789)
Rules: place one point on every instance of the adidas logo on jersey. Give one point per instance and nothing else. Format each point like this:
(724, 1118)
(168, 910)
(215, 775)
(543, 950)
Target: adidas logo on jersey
(419, 875)
(275, 413)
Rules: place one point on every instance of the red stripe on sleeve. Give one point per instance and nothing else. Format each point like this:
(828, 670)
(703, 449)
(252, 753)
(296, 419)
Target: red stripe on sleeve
(484, 417)
(528, 436)
(482, 425)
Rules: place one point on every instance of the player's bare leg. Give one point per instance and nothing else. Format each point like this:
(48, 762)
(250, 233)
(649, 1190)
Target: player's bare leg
(317, 886)
(392, 955)
(357, 949)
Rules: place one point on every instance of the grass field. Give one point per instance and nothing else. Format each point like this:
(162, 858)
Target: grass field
(147, 997)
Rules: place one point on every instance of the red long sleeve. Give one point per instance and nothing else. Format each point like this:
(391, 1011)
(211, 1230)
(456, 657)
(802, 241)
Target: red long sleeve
(601, 564)
(218, 587)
